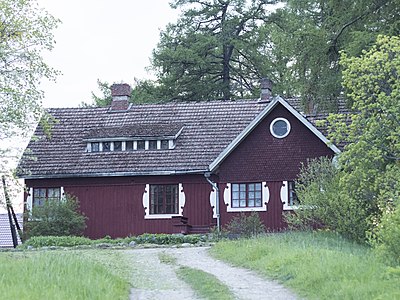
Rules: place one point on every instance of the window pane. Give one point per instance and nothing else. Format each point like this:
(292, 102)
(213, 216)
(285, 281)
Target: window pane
(235, 202)
(53, 194)
(153, 145)
(117, 146)
(235, 195)
(251, 186)
(95, 147)
(280, 128)
(242, 195)
(106, 146)
(164, 144)
(129, 145)
(235, 187)
(140, 145)
(163, 199)
(243, 203)
(258, 202)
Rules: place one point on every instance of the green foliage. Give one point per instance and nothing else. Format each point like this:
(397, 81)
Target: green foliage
(63, 275)
(213, 51)
(205, 285)
(385, 237)
(315, 265)
(311, 34)
(370, 162)
(324, 202)
(143, 91)
(147, 238)
(55, 218)
(58, 241)
(245, 225)
(169, 239)
(25, 31)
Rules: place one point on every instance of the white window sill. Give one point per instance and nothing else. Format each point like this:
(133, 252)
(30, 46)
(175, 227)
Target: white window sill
(162, 216)
(246, 209)
(294, 207)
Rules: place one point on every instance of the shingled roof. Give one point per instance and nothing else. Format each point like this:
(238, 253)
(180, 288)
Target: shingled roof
(206, 129)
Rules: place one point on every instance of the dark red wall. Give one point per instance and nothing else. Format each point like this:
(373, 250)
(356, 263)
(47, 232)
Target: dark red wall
(114, 205)
(262, 157)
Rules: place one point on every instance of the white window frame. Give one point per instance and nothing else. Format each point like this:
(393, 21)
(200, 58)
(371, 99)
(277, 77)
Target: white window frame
(285, 197)
(146, 204)
(271, 128)
(228, 199)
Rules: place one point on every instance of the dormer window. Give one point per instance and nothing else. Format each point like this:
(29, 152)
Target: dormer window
(133, 138)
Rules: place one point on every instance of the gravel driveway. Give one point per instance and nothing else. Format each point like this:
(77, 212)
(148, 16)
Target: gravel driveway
(155, 280)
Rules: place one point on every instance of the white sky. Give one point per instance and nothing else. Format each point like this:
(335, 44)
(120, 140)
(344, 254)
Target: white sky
(107, 39)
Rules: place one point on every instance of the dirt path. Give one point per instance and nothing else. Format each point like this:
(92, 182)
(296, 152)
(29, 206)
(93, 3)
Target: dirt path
(155, 280)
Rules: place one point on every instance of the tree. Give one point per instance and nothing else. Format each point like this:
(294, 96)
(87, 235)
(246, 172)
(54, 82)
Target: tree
(144, 91)
(25, 31)
(311, 34)
(352, 197)
(215, 50)
(371, 160)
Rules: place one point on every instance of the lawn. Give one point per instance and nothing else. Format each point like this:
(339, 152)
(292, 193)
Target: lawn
(317, 265)
(74, 274)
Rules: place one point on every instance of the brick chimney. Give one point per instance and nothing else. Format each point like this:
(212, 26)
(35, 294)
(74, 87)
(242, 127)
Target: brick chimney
(266, 89)
(121, 93)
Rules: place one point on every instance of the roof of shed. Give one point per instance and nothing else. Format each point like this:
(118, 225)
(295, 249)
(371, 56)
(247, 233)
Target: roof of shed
(207, 129)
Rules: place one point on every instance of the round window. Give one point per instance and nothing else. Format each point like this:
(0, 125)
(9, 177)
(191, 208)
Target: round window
(280, 128)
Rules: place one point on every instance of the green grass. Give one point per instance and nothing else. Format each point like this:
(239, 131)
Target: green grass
(315, 265)
(204, 284)
(166, 258)
(63, 275)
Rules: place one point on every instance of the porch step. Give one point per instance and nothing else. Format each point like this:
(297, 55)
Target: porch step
(199, 229)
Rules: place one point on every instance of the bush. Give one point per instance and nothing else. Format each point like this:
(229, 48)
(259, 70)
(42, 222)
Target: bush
(245, 225)
(55, 218)
(59, 241)
(325, 203)
(386, 236)
(147, 238)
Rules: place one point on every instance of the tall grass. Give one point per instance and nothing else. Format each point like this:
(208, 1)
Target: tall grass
(315, 265)
(61, 275)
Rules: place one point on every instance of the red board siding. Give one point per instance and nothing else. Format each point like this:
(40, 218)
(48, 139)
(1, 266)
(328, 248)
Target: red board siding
(262, 157)
(114, 205)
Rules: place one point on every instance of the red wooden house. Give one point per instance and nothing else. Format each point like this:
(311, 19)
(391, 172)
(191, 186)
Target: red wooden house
(158, 168)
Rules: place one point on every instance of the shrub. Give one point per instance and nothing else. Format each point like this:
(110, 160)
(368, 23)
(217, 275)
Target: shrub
(325, 203)
(246, 225)
(59, 241)
(55, 218)
(386, 236)
(147, 238)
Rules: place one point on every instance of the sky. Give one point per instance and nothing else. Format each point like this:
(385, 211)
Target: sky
(110, 40)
